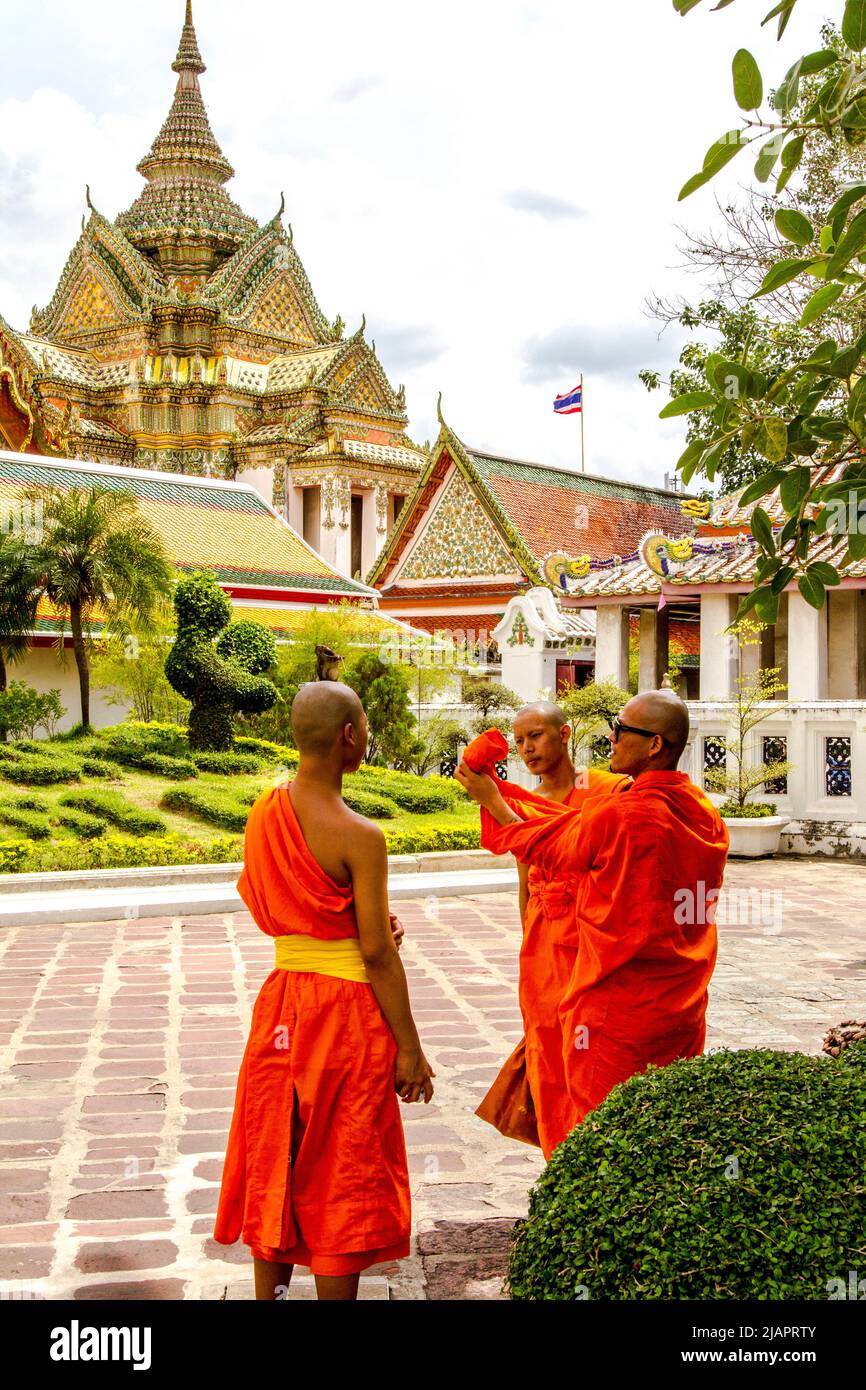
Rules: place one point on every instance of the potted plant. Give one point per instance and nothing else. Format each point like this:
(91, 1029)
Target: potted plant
(754, 827)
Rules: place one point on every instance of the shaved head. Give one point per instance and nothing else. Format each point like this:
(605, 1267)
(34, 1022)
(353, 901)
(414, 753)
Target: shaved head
(543, 710)
(652, 712)
(320, 713)
(662, 711)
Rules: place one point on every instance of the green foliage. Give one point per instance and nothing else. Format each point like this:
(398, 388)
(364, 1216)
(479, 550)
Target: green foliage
(35, 824)
(641, 1200)
(23, 710)
(229, 764)
(748, 810)
(383, 689)
(367, 803)
(415, 794)
(813, 406)
(431, 838)
(250, 645)
(130, 670)
(210, 804)
(82, 824)
(755, 689)
(589, 710)
(32, 770)
(15, 856)
(217, 686)
(113, 807)
(102, 768)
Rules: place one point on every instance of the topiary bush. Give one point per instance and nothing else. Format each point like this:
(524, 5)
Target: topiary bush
(31, 770)
(217, 685)
(209, 804)
(34, 824)
(739, 1175)
(113, 807)
(367, 803)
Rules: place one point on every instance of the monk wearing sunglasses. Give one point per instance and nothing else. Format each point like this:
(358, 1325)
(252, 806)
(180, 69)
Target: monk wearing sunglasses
(649, 864)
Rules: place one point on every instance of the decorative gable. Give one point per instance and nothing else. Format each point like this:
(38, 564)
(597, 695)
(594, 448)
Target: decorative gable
(460, 540)
(279, 312)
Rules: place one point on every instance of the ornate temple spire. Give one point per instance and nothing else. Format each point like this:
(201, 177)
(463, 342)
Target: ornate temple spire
(185, 170)
(188, 55)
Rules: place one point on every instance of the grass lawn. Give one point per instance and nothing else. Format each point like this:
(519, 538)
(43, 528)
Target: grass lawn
(110, 819)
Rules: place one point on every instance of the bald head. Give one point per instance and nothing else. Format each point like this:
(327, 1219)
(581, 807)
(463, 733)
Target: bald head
(320, 713)
(542, 710)
(657, 712)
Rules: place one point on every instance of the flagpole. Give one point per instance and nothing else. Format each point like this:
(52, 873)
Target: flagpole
(582, 445)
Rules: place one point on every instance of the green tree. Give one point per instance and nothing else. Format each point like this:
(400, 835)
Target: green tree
(807, 421)
(99, 553)
(589, 710)
(754, 690)
(20, 591)
(384, 692)
(130, 671)
(494, 703)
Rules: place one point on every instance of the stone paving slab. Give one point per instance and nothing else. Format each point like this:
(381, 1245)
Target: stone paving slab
(121, 1042)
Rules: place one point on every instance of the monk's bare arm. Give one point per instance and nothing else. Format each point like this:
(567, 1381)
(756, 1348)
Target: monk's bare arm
(366, 858)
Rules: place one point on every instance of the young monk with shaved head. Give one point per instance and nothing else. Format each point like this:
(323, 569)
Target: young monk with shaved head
(550, 938)
(646, 861)
(315, 1172)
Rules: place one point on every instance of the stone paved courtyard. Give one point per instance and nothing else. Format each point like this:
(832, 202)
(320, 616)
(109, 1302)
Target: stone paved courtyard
(121, 1044)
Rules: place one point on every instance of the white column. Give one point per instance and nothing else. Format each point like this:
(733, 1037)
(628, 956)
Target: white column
(807, 650)
(295, 499)
(526, 672)
(369, 549)
(611, 644)
(718, 648)
(653, 652)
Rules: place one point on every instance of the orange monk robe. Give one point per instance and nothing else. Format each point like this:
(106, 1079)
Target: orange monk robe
(547, 954)
(647, 862)
(315, 1172)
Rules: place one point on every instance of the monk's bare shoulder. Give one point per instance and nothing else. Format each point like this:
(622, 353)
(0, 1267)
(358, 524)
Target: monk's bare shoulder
(362, 836)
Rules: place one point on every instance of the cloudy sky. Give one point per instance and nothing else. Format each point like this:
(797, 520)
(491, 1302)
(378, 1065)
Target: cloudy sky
(493, 182)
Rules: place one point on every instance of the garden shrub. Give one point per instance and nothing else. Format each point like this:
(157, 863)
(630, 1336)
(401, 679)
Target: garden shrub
(134, 752)
(31, 802)
(367, 803)
(101, 767)
(16, 856)
(229, 764)
(430, 838)
(421, 795)
(33, 771)
(277, 753)
(209, 804)
(35, 824)
(82, 824)
(220, 679)
(114, 807)
(643, 1201)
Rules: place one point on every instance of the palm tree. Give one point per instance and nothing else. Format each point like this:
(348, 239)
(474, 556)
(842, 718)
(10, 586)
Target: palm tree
(20, 591)
(98, 551)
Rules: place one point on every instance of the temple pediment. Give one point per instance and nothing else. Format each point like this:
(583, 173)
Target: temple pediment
(459, 540)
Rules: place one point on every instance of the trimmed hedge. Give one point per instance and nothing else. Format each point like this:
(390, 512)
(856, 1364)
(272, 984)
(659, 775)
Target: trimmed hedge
(132, 753)
(102, 768)
(738, 1175)
(113, 807)
(428, 839)
(35, 824)
(228, 764)
(83, 824)
(208, 804)
(30, 770)
(420, 795)
(367, 803)
(16, 856)
(115, 851)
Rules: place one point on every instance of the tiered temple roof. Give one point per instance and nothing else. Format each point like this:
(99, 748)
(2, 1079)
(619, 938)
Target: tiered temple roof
(186, 337)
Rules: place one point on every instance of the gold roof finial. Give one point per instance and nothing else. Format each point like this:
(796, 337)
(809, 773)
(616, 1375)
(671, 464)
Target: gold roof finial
(188, 58)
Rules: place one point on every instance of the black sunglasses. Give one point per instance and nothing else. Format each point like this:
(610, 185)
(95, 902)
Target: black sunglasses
(617, 727)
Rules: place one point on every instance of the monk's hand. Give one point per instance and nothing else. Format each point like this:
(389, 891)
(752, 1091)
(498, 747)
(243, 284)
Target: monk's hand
(479, 785)
(398, 931)
(413, 1076)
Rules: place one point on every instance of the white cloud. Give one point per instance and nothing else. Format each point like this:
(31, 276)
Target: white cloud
(397, 185)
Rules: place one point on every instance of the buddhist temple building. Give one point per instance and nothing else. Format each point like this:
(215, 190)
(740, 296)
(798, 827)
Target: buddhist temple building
(184, 337)
(817, 722)
(271, 575)
(483, 535)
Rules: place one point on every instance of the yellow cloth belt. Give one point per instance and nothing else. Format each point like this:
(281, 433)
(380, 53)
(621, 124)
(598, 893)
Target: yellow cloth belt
(311, 954)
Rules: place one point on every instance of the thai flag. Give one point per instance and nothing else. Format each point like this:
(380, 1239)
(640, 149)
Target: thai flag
(571, 404)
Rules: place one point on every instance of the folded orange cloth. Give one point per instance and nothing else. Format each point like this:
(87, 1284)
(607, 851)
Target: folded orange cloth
(486, 751)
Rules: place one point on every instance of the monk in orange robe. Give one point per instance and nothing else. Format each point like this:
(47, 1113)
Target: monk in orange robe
(316, 1171)
(549, 946)
(649, 861)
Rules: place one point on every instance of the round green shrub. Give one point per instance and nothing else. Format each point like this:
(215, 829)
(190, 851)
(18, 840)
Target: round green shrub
(252, 645)
(750, 810)
(16, 856)
(368, 804)
(101, 767)
(739, 1175)
(82, 824)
